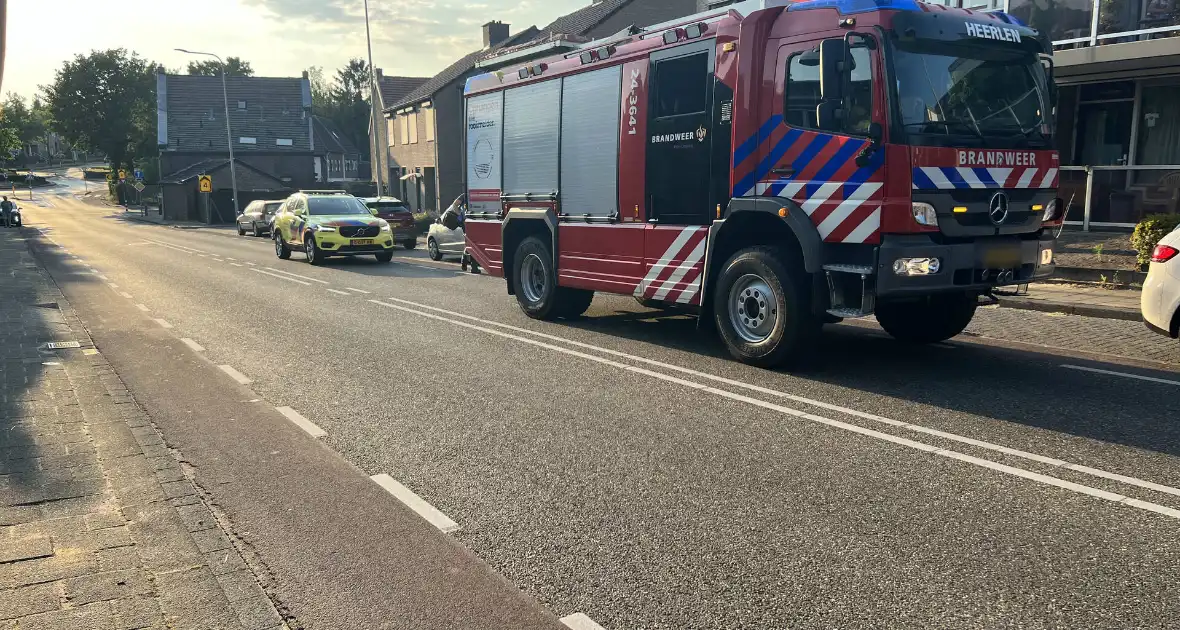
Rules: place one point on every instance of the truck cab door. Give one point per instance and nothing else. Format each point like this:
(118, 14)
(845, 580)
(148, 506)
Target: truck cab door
(679, 171)
(828, 155)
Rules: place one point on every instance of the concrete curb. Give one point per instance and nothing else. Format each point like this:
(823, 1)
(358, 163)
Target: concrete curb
(1104, 312)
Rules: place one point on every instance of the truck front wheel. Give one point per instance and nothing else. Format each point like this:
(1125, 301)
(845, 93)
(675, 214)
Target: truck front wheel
(761, 309)
(929, 319)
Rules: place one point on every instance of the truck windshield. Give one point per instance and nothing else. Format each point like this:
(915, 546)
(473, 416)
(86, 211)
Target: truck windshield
(975, 101)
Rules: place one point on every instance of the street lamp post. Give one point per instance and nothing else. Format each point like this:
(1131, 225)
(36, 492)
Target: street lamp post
(229, 136)
(378, 133)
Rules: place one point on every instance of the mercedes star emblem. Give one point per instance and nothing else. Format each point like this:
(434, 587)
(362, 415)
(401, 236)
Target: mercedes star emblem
(997, 210)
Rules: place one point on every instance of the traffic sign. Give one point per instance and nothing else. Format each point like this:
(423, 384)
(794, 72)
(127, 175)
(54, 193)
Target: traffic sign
(139, 174)
(138, 186)
(122, 174)
(205, 183)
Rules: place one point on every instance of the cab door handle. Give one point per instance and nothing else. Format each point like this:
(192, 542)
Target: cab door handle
(785, 171)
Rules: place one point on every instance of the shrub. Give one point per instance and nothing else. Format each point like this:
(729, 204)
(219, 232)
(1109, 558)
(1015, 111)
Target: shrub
(422, 221)
(1149, 231)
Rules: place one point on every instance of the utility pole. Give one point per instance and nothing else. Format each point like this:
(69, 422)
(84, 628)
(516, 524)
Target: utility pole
(373, 92)
(229, 136)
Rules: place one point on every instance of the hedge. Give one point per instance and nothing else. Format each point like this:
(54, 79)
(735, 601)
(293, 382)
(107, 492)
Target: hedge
(1148, 233)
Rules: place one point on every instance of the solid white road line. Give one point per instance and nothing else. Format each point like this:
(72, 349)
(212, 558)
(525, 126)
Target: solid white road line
(1122, 374)
(113, 286)
(339, 292)
(362, 291)
(288, 273)
(163, 324)
(416, 503)
(234, 374)
(196, 347)
(249, 263)
(191, 250)
(301, 422)
(235, 264)
(282, 277)
(920, 446)
(142, 307)
(230, 258)
(125, 294)
(100, 276)
(1050, 461)
(579, 621)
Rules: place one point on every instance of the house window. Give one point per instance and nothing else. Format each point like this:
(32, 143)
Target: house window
(404, 119)
(245, 140)
(413, 118)
(284, 142)
(391, 130)
(241, 104)
(428, 114)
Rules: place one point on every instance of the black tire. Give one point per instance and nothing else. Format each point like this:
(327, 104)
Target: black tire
(536, 294)
(930, 319)
(315, 256)
(432, 249)
(780, 327)
(573, 303)
(281, 249)
(384, 257)
(257, 230)
(241, 230)
(411, 244)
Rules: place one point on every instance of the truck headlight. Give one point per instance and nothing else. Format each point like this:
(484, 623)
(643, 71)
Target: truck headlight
(1050, 212)
(916, 266)
(924, 214)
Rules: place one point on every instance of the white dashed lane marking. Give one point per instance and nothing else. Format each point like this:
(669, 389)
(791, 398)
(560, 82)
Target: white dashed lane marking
(301, 422)
(282, 277)
(295, 275)
(416, 503)
(142, 307)
(357, 290)
(234, 374)
(163, 323)
(339, 292)
(579, 621)
(196, 347)
(1151, 379)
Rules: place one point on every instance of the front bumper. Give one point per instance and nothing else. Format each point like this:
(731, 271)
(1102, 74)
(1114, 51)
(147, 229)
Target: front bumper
(963, 266)
(403, 234)
(333, 244)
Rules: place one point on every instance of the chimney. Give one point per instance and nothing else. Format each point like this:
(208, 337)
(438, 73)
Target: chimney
(494, 32)
(380, 74)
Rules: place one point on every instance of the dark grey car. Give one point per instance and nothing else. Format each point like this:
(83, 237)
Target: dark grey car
(258, 217)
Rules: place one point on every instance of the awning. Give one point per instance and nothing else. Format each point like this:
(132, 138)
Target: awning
(1113, 62)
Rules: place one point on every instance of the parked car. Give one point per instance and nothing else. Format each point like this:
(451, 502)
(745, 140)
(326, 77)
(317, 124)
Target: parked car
(1160, 301)
(258, 217)
(329, 223)
(398, 215)
(445, 236)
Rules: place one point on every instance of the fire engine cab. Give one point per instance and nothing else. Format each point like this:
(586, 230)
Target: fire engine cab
(773, 166)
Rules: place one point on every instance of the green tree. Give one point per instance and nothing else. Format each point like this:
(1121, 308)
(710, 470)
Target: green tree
(321, 95)
(349, 98)
(234, 67)
(29, 123)
(9, 139)
(105, 102)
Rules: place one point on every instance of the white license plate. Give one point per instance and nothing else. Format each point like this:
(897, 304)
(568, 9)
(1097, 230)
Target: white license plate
(362, 241)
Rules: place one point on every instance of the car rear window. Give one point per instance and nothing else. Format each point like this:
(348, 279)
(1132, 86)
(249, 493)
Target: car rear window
(396, 206)
(271, 208)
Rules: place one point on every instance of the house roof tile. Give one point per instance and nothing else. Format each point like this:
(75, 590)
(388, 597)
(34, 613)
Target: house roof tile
(329, 138)
(274, 108)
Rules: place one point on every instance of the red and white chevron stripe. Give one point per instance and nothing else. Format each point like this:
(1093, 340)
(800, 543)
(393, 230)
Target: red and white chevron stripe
(676, 275)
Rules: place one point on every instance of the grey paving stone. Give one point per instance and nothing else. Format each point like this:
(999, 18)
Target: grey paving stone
(117, 559)
(224, 561)
(96, 540)
(191, 499)
(18, 515)
(239, 585)
(105, 519)
(257, 613)
(65, 564)
(90, 617)
(196, 517)
(25, 549)
(161, 538)
(136, 613)
(170, 474)
(107, 586)
(193, 600)
(210, 540)
(175, 489)
(29, 600)
(72, 507)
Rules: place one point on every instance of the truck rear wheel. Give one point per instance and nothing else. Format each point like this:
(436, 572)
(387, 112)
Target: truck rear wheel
(535, 284)
(762, 310)
(927, 320)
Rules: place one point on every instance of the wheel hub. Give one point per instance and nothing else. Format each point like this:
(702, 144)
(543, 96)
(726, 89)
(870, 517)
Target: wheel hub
(753, 308)
(533, 279)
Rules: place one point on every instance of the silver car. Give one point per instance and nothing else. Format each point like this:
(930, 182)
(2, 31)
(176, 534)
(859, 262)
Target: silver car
(258, 217)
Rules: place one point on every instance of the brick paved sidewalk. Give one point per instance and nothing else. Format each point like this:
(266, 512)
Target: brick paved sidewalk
(100, 529)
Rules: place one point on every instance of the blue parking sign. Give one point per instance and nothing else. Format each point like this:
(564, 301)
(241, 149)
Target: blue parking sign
(139, 174)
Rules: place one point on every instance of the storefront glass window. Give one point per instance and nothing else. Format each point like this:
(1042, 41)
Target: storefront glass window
(1120, 16)
(1062, 19)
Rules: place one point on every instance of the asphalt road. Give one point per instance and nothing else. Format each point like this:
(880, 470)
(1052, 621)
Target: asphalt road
(621, 466)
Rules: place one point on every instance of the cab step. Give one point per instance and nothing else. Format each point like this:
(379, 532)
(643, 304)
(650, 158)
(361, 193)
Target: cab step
(851, 290)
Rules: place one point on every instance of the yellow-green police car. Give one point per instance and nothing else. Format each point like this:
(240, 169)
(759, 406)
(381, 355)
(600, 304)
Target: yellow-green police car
(323, 224)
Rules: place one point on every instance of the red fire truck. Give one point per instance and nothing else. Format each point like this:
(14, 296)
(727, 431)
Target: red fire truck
(773, 166)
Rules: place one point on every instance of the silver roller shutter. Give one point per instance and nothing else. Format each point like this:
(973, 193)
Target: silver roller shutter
(590, 142)
(531, 121)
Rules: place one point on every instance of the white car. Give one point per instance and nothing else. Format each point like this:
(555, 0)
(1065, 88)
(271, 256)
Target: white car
(441, 241)
(1160, 303)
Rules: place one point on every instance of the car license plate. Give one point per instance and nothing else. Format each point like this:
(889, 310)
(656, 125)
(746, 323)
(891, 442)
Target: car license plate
(1002, 257)
(362, 241)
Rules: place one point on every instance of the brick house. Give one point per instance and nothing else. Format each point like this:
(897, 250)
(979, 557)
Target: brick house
(425, 128)
(271, 123)
(390, 90)
(336, 159)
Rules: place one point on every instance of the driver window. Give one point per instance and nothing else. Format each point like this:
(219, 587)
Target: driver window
(802, 93)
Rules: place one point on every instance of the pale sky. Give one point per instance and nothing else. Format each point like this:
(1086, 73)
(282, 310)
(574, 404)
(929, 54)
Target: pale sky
(278, 37)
